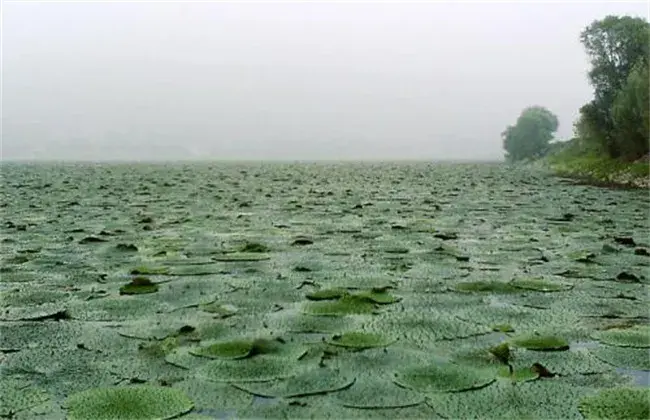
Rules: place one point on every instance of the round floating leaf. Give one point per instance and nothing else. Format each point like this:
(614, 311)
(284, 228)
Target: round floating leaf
(505, 328)
(518, 375)
(624, 357)
(485, 287)
(542, 399)
(444, 377)
(327, 294)
(254, 247)
(360, 340)
(128, 402)
(541, 285)
(617, 403)
(236, 349)
(213, 395)
(344, 306)
(377, 394)
(222, 310)
(139, 285)
(313, 382)
(144, 270)
(17, 395)
(252, 369)
(31, 297)
(541, 343)
(635, 336)
(241, 257)
(378, 296)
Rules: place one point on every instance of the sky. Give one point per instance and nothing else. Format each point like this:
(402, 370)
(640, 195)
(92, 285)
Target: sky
(287, 80)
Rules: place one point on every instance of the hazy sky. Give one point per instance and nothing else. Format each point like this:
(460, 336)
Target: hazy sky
(287, 80)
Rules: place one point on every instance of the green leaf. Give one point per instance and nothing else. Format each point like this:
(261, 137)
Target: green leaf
(139, 285)
(315, 381)
(444, 377)
(375, 393)
(617, 403)
(128, 402)
(360, 340)
(635, 336)
(541, 285)
(541, 342)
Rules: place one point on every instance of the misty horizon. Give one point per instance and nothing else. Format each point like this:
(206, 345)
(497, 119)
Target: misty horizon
(287, 81)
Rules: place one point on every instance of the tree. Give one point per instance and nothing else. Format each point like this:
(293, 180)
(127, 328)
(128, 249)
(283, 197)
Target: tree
(530, 136)
(631, 114)
(616, 47)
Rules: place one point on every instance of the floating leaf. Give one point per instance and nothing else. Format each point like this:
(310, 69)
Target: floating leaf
(241, 257)
(327, 294)
(344, 306)
(222, 310)
(253, 369)
(485, 287)
(360, 340)
(236, 349)
(501, 352)
(541, 285)
(624, 357)
(635, 336)
(444, 377)
(375, 393)
(617, 403)
(17, 395)
(313, 382)
(128, 402)
(518, 375)
(541, 342)
(144, 270)
(379, 296)
(138, 286)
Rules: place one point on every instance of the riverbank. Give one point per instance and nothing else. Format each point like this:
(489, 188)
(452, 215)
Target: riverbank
(602, 171)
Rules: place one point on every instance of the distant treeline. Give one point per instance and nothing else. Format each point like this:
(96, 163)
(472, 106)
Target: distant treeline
(615, 124)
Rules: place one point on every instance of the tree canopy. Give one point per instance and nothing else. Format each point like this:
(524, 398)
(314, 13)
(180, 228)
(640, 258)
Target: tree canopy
(529, 138)
(615, 122)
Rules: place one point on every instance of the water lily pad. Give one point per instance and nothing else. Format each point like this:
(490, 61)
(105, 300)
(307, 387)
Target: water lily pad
(253, 369)
(343, 306)
(541, 285)
(541, 399)
(636, 336)
(444, 377)
(241, 257)
(374, 393)
(312, 382)
(235, 349)
(222, 310)
(617, 403)
(379, 296)
(139, 285)
(360, 340)
(327, 294)
(209, 395)
(624, 357)
(485, 287)
(523, 374)
(145, 270)
(128, 402)
(17, 395)
(541, 342)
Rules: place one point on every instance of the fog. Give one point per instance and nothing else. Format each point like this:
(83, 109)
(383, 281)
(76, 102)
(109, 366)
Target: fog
(286, 80)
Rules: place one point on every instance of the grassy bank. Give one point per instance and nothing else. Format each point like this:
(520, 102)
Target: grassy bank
(600, 170)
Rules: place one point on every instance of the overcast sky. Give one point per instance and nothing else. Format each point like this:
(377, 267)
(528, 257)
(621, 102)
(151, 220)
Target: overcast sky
(287, 80)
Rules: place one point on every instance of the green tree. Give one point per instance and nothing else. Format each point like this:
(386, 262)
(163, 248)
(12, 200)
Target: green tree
(616, 46)
(631, 114)
(530, 136)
